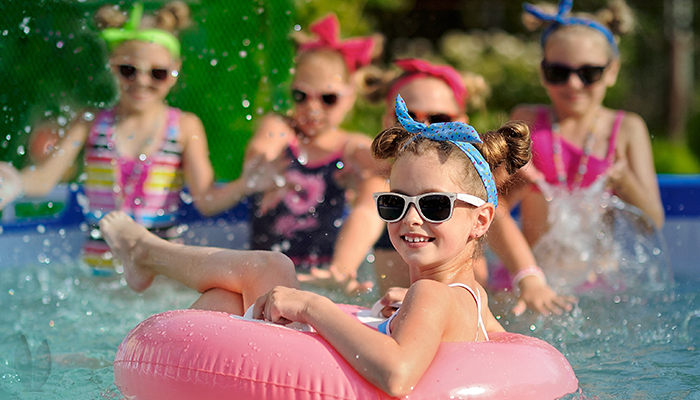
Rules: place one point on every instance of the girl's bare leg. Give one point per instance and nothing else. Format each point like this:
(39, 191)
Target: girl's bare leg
(220, 300)
(248, 274)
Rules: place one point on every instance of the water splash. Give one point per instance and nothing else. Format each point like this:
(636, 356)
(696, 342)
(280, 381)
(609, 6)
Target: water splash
(597, 242)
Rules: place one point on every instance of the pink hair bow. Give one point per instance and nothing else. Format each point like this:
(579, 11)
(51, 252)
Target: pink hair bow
(416, 68)
(357, 52)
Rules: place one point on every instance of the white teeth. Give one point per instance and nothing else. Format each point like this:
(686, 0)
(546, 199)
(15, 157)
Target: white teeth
(415, 239)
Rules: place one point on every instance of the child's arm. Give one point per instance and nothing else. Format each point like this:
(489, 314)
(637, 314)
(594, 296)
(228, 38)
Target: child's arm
(393, 363)
(264, 147)
(39, 180)
(633, 176)
(508, 242)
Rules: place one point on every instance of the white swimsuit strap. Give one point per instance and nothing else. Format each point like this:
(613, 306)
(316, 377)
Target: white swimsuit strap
(477, 298)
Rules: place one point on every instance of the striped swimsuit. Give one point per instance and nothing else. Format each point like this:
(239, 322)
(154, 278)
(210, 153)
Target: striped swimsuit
(147, 188)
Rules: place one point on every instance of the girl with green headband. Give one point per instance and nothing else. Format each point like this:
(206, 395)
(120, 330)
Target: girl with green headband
(588, 160)
(139, 153)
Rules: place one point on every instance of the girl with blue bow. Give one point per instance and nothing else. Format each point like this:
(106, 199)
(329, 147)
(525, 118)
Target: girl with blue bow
(442, 201)
(140, 152)
(582, 149)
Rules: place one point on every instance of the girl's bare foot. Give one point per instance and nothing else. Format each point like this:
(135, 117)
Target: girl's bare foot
(124, 236)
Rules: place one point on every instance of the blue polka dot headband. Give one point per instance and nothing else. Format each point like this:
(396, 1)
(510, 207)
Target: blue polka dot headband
(458, 133)
(562, 18)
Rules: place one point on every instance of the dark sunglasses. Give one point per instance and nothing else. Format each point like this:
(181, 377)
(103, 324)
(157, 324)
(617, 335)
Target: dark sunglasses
(558, 74)
(300, 97)
(129, 72)
(430, 118)
(432, 207)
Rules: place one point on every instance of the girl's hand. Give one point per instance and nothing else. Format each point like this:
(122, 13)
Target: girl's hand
(261, 175)
(620, 168)
(10, 184)
(283, 305)
(391, 299)
(539, 297)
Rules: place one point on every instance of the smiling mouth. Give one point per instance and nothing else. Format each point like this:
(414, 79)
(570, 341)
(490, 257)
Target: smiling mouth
(417, 239)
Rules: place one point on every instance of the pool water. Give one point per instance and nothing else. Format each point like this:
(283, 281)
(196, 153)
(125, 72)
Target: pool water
(621, 346)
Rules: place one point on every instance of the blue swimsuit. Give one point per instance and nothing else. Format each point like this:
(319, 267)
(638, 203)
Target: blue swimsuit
(385, 327)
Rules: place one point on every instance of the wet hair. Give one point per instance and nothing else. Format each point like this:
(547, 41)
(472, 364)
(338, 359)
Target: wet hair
(374, 85)
(618, 17)
(508, 146)
(172, 17)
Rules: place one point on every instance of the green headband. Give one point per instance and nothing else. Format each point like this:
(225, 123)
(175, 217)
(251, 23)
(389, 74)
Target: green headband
(130, 31)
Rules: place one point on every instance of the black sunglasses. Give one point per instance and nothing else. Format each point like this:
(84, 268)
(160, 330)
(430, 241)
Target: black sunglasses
(432, 207)
(558, 74)
(129, 72)
(430, 118)
(300, 97)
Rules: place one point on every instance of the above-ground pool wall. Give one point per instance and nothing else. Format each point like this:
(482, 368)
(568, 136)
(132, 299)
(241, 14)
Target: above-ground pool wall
(680, 195)
(42, 240)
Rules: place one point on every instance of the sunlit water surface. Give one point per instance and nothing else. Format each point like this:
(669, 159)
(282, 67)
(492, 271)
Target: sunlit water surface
(633, 345)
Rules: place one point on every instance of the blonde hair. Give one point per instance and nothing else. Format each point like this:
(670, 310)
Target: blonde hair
(618, 17)
(172, 17)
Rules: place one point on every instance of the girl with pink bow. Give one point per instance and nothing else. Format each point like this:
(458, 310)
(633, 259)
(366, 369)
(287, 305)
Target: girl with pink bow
(312, 181)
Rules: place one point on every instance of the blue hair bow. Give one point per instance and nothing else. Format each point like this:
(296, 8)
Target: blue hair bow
(458, 133)
(562, 18)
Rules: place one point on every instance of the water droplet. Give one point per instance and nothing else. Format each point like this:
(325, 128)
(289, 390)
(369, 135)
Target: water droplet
(59, 44)
(242, 54)
(213, 62)
(246, 103)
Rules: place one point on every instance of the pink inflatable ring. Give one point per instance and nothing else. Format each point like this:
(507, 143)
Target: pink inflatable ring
(191, 354)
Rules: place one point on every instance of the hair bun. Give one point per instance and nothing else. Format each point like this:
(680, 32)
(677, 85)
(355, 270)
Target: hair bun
(173, 16)
(110, 16)
(618, 17)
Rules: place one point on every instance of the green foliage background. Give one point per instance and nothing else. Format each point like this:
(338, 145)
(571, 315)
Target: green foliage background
(236, 63)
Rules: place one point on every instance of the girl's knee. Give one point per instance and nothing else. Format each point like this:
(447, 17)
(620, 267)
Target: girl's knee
(278, 267)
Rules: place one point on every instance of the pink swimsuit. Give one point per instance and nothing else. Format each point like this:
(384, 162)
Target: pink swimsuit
(542, 153)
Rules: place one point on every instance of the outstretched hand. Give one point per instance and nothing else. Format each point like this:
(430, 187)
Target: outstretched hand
(329, 278)
(10, 184)
(620, 168)
(539, 297)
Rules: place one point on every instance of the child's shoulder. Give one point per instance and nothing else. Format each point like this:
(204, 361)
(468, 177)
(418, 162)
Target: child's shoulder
(429, 288)
(632, 126)
(527, 112)
(189, 119)
(357, 147)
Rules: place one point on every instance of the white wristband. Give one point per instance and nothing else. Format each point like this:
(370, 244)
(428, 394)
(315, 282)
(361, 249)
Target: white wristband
(531, 270)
